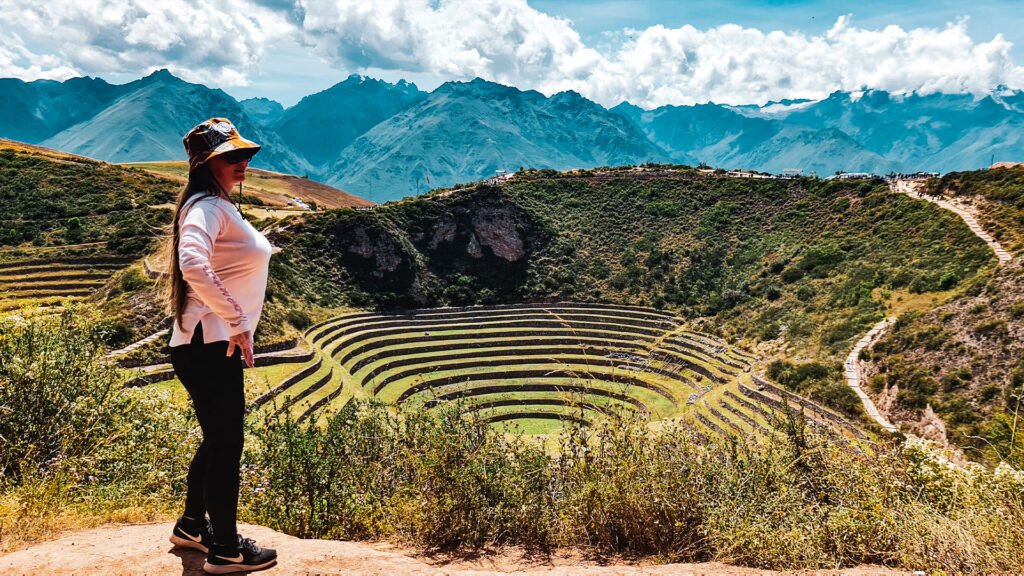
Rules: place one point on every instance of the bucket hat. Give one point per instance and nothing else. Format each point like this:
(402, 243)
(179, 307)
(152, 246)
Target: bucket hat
(212, 138)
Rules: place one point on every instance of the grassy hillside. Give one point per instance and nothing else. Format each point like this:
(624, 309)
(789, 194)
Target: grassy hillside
(71, 227)
(59, 201)
(956, 373)
(805, 265)
(999, 195)
(268, 188)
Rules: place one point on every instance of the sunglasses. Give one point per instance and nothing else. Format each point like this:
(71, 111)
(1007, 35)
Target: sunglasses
(236, 156)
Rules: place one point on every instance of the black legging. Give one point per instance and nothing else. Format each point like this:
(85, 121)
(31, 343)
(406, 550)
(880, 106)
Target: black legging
(214, 382)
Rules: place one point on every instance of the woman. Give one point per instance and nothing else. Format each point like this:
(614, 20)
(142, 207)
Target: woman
(218, 278)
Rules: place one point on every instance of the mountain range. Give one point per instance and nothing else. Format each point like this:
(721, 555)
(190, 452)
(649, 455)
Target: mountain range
(385, 141)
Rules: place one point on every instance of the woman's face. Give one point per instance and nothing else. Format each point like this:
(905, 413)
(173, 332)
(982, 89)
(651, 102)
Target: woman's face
(229, 168)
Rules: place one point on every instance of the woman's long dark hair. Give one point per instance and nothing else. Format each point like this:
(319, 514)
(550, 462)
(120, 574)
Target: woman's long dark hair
(200, 182)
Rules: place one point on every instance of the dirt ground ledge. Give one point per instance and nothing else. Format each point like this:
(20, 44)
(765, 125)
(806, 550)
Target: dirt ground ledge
(144, 549)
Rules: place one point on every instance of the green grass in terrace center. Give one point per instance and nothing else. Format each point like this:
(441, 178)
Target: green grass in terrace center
(656, 403)
(498, 342)
(530, 426)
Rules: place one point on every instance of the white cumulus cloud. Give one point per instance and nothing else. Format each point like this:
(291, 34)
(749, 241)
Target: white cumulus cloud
(217, 43)
(510, 42)
(17, 61)
(501, 40)
(506, 41)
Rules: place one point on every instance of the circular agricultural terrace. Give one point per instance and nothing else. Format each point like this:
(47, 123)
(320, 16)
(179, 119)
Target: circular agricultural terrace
(54, 278)
(536, 365)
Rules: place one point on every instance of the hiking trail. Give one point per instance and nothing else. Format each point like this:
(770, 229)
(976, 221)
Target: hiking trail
(965, 211)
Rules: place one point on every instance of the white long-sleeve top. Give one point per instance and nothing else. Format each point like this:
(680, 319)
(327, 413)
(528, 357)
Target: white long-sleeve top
(225, 261)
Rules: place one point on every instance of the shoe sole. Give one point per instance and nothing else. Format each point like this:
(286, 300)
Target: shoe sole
(178, 541)
(232, 568)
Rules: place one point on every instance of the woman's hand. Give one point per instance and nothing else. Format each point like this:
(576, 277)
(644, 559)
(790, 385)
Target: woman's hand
(243, 341)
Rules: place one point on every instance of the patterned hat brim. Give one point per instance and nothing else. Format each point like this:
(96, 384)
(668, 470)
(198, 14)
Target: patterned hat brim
(230, 145)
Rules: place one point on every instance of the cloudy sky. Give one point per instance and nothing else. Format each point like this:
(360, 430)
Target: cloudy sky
(649, 52)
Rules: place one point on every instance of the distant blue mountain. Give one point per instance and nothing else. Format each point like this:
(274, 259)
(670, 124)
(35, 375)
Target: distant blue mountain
(918, 132)
(138, 121)
(34, 111)
(323, 124)
(148, 120)
(465, 131)
(263, 110)
(871, 131)
(387, 140)
(724, 137)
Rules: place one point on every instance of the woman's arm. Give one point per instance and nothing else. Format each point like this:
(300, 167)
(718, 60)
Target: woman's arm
(198, 231)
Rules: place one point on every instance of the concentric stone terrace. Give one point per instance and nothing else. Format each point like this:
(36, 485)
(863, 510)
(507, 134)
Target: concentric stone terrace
(529, 362)
(51, 280)
(538, 365)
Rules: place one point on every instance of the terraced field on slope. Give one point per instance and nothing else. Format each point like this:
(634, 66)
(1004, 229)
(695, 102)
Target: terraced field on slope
(69, 223)
(530, 368)
(52, 278)
(534, 364)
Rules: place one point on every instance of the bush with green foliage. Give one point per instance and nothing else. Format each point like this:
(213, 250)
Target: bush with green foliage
(620, 488)
(818, 381)
(71, 434)
(55, 203)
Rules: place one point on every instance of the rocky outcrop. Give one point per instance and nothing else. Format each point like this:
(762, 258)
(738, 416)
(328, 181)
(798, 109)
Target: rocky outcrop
(451, 250)
(497, 228)
(380, 249)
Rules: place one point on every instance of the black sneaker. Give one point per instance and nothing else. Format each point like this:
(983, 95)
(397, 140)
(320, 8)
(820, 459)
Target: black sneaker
(200, 540)
(246, 556)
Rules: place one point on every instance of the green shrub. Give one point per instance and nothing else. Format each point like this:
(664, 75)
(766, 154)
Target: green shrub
(994, 327)
(298, 318)
(67, 417)
(131, 280)
(617, 487)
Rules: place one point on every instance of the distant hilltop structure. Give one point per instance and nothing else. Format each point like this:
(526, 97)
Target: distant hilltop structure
(1005, 165)
(851, 176)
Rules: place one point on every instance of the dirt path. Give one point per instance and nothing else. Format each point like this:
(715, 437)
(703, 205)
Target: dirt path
(968, 214)
(964, 211)
(854, 374)
(144, 549)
